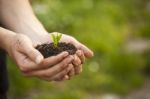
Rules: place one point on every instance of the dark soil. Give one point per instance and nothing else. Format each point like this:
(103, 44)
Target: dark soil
(48, 50)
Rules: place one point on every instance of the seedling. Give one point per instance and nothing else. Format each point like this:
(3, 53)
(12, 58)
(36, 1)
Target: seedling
(55, 47)
(56, 38)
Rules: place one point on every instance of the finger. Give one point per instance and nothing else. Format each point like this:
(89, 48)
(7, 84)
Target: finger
(76, 60)
(60, 75)
(26, 47)
(53, 60)
(52, 70)
(71, 72)
(27, 65)
(77, 64)
(87, 52)
(24, 63)
(81, 56)
(78, 69)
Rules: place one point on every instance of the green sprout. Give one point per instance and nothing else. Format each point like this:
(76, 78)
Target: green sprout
(56, 38)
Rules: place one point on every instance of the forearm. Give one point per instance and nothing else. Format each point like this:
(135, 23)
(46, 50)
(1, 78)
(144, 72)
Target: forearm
(5, 38)
(17, 15)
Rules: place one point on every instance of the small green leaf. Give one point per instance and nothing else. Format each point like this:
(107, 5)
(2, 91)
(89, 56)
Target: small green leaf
(59, 37)
(56, 38)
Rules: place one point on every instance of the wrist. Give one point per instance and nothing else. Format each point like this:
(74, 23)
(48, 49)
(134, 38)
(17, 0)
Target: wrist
(8, 42)
(6, 38)
(35, 31)
(39, 37)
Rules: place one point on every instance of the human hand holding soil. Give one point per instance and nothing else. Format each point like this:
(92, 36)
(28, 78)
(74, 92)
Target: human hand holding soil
(31, 62)
(81, 53)
(67, 43)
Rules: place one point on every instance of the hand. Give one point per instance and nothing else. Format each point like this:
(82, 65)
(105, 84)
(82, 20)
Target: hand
(31, 62)
(80, 55)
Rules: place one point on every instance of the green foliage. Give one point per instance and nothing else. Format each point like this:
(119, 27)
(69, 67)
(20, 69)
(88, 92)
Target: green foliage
(56, 38)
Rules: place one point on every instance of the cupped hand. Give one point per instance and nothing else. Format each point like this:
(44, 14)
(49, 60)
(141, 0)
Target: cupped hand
(79, 57)
(69, 39)
(82, 53)
(31, 63)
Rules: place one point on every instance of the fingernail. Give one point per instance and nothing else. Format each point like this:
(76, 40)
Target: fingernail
(39, 59)
(66, 77)
(65, 54)
(90, 54)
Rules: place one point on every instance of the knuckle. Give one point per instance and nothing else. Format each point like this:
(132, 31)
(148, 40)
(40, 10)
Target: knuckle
(44, 63)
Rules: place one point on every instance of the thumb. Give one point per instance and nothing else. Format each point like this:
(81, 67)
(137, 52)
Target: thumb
(27, 49)
(33, 54)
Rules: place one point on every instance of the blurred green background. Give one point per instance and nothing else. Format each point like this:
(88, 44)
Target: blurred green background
(118, 32)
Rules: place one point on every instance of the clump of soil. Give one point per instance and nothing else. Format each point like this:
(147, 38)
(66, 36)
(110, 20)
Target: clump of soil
(50, 49)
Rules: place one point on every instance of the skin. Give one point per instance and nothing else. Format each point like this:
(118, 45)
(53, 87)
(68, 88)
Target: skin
(27, 32)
